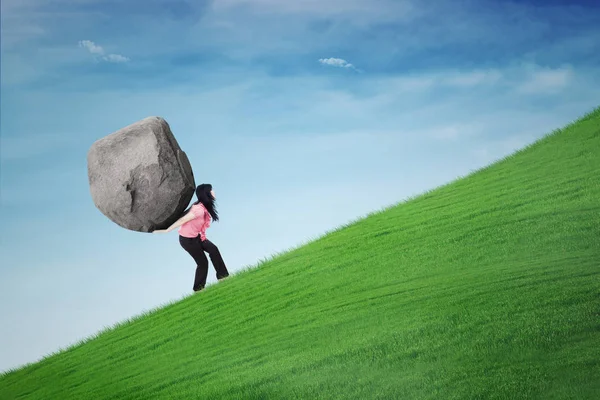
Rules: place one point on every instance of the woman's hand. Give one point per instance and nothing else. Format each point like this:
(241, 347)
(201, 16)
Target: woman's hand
(160, 231)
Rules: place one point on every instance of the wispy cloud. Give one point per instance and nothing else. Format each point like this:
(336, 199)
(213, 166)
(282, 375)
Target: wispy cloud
(522, 79)
(91, 46)
(95, 49)
(337, 62)
(357, 10)
(116, 58)
(446, 78)
(547, 80)
(473, 78)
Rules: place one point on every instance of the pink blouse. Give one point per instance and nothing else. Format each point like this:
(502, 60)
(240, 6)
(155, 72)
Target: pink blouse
(198, 225)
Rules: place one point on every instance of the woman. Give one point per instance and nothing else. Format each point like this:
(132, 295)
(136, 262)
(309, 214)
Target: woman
(192, 235)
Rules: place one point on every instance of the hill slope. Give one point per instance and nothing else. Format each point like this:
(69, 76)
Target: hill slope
(488, 287)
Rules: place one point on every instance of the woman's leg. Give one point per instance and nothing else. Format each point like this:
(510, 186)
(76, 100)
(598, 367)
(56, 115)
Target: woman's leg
(215, 257)
(194, 247)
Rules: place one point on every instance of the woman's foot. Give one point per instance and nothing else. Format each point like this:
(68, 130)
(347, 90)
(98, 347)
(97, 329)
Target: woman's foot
(225, 277)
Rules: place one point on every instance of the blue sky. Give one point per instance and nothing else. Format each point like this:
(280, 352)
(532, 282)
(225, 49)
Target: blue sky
(304, 116)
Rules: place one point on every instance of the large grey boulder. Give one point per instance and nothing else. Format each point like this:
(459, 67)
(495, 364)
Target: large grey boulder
(139, 177)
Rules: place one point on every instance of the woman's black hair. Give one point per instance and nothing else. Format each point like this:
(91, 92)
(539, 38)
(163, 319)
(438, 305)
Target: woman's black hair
(205, 197)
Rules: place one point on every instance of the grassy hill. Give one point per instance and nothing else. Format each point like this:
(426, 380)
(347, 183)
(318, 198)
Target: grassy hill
(488, 287)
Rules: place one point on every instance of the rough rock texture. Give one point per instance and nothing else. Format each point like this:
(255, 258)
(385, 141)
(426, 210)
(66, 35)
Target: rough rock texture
(139, 176)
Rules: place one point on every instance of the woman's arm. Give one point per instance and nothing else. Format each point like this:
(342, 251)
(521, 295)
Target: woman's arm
(187, 217)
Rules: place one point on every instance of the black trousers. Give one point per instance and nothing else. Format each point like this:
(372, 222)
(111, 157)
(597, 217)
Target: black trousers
(196, 248)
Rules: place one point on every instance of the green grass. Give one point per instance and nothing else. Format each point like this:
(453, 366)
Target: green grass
(485, 288)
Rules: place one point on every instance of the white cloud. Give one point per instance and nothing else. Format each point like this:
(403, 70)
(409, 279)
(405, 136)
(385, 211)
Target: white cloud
(336, 62)
(116, 58)
(93, 48)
